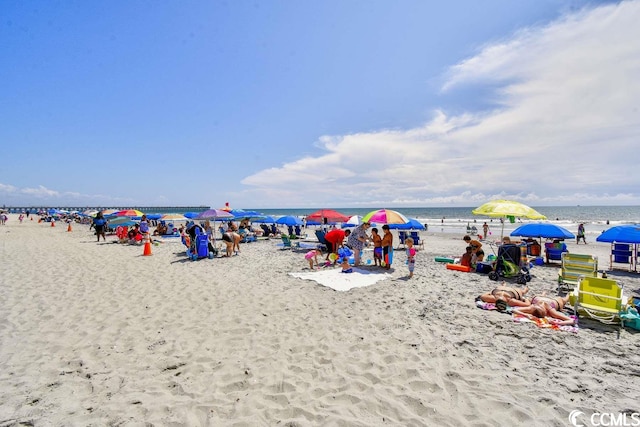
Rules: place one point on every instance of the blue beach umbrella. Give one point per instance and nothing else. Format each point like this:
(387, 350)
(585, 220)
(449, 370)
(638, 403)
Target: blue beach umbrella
(542, 229)
(413, 224)
(192, 215)
(289, 220)
(242, 214)
(629, 233)
(266, 220)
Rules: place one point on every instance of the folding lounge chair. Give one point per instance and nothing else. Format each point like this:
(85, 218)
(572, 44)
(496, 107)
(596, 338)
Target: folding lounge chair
(575, 266)
(600, 299)
(320, 236)
(417, 241)
(286, 242)
(402, 236)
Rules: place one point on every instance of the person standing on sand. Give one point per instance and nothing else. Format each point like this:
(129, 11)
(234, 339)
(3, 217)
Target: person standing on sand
(387, 246)
(356, 241)
(411, 255)
(485, 229)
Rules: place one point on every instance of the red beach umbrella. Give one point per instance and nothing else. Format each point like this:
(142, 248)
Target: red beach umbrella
(329, 214)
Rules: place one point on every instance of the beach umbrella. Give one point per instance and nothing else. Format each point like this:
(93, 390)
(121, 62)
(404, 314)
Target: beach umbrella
(507, 208)
(413, 224)
(329, 214)
(629, 233)
(266, 220)
(242, 214)
(353, 221)
(289, 220)
(214, 214)
(174, 217)
(129, 212)
(123, 221)
(154, 217)
(542, 229)
(192, 215)
(385, 216)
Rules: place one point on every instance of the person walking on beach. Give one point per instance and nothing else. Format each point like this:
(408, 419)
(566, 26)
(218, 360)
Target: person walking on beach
(144, 228)
(485, 229)
(99, 223)
(581, 234)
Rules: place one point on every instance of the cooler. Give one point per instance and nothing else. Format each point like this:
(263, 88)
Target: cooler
(484, 267)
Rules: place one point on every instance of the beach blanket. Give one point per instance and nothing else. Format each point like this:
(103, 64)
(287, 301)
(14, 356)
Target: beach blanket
(335, 279)
(546, 323)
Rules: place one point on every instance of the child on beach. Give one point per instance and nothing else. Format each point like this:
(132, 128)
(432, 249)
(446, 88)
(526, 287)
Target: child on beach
(387, 246)
(465, 259)
(346, 268)
(312, 256)
(377, 247)
(411, 255)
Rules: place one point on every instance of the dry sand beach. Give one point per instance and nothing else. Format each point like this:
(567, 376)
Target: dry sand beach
(97, 334)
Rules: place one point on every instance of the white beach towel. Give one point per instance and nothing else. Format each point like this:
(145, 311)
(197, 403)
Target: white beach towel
(335, 279)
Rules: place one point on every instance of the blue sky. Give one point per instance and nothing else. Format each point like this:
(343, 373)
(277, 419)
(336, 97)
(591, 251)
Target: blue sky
(275, 104)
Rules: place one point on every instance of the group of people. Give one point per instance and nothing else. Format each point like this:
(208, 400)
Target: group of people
(539, 306)
(356, 241)
(473, 253)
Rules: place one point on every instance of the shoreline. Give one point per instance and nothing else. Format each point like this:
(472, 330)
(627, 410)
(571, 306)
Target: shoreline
(96, 333)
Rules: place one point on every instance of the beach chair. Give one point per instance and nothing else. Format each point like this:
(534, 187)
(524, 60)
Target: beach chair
(621, 253)
(402, 236)
(320, 236)
(287, 244)
(417, 241)
(600, 299)
(554, 251)
(575, 266)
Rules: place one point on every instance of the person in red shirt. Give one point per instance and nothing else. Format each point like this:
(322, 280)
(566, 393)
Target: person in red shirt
(334, 239)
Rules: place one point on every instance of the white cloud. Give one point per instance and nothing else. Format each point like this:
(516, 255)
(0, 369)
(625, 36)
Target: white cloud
(566, 130)
(41, 195)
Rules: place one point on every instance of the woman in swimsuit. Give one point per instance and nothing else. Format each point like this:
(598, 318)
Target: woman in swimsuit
(511, 296)
(557, 303)
(543, 306)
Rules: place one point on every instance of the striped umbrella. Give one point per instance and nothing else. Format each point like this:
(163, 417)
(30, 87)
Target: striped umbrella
(385, 216)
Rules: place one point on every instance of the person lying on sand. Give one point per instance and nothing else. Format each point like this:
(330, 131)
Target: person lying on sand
(543, 306)
(504, 296)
